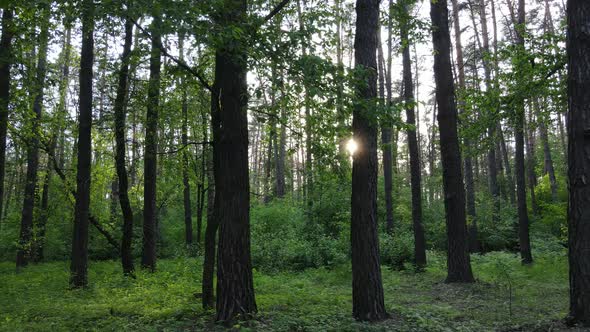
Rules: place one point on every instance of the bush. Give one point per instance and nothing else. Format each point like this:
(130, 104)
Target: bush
(396, 250)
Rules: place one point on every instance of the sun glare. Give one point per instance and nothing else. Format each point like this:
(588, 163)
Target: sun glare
(351, 146)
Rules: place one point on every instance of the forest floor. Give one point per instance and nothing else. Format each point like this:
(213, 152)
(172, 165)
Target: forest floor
(312, 300)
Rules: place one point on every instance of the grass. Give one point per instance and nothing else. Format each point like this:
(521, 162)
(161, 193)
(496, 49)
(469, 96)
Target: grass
(38, 299)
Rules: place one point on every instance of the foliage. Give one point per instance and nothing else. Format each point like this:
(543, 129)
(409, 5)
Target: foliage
(37, 299)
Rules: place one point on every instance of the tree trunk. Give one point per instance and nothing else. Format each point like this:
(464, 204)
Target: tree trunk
(188, 220)
(212, 205)
(235, 287)
(79, 264)
(120, 110)
(492, 170)
(386, 132)
(148, 258)
(25, 244)
(474, 245)
(578, 121)
(523, 217)
(367, 289)
(458, 261)
(415, 172)
(5, 63)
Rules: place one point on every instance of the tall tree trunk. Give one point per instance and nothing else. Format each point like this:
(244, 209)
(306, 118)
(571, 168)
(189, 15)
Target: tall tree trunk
(212, 203)
(5, 63)
(474, 245)
(523, 217)
(386, 132)
(120, 110)
(280, 154)
(415, 169)
(79, 264)
(150, 209)
(235, 287)
(492, 170)
(367, 288)
(458, 261)
(578, 56)
(188, 219)
(25, 244)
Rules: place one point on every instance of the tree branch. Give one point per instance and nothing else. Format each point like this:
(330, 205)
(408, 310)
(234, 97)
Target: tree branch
(180, 63)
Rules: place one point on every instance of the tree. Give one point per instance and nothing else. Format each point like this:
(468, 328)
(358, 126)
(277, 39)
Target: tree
(235, 286)
(523, 218)
(148, 258)
(5, 64)
(25, 248)
(458, 261)
(120, 110)
(467, 161)
(386, 131)
(578, 87)
(188, 220)
(79, 264)
(367, 289)
(415, 172)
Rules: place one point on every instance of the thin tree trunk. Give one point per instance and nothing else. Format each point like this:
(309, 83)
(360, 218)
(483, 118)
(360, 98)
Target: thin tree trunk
(386, 132)
(120, 110)
(474, 245)
(25, 244)
(415, 172)
(367, 288)
(458, 261)
(150, 210)
(79, 264)
(188, 219)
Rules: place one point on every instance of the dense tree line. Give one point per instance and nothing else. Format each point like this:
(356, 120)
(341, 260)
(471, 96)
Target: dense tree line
(237, 103)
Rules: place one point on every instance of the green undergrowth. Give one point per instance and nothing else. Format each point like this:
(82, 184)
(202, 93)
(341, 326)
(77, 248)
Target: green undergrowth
(38, 298)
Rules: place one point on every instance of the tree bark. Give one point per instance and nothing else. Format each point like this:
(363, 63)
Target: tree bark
(188, 219)
(120, 110)
(150, 209)
(367, 288)
(5, 64)
(25, 244)
(523, 217)
(79, 264)
(578, 121)
(235, 287)
(474, 245)
(386, 131)
(415, 172)
(458, 261)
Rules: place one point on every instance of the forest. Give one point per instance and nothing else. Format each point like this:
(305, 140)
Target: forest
(294, 165)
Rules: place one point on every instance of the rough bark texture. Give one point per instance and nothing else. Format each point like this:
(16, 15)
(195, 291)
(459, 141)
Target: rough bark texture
(415, 172)
(458, 261)
(578, 53)
(79, 264)
(5, 63)
(523, 217)
(367, 288)
(25, 243)
(148, 257)
(235, 287)
(120, 110)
